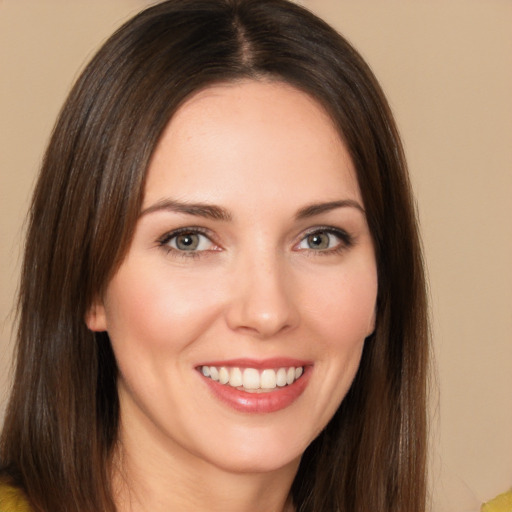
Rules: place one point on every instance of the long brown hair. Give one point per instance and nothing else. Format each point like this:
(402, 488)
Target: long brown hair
(62, 418)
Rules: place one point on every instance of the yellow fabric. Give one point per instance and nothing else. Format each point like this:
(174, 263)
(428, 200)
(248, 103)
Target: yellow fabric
(12, 499)
(502, 503)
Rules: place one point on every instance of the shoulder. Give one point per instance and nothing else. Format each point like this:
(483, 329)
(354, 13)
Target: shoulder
(12, 499)
(502, 503)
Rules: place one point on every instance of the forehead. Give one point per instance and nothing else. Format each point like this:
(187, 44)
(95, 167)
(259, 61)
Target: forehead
(251, 135)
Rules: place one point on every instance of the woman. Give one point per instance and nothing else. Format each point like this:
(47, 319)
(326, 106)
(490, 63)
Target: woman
(222, 302)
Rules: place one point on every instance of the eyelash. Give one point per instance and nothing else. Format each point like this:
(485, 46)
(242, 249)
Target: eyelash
(164, 241)
(345, 241)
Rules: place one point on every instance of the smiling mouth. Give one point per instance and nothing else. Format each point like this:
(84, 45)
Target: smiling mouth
(253, 380)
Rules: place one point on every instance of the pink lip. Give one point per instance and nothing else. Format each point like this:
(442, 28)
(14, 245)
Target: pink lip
(261, 402)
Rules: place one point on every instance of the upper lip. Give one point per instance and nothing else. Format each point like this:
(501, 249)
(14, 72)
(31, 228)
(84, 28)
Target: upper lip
(274, 362)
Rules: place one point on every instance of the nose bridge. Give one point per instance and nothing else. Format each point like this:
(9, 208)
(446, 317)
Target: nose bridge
(262, 301)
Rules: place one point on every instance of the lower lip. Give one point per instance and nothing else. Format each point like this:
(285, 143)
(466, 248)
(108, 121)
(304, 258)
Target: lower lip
(262, 401)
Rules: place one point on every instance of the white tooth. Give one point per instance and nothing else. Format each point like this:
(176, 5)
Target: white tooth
(214, 373)
(205, 371)
(223, 375)
(268, 379)
(235, 378)
(290, 375)
(281, 377)
(298, 372)
(251, 378)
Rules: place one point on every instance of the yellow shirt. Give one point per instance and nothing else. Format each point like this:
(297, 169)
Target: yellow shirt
(12, 499)
(502, 503)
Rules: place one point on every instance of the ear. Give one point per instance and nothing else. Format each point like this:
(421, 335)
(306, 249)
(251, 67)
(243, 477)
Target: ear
(96, 318)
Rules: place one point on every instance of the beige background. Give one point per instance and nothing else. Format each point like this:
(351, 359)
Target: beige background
(446, 66)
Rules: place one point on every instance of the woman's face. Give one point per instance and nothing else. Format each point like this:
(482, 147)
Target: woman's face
(239, 313)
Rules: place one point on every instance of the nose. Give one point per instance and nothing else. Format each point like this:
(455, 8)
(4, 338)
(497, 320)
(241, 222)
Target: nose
(263, 301)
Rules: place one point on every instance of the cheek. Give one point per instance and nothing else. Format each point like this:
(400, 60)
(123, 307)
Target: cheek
(341, 314)
(344, 308)
(147, 311)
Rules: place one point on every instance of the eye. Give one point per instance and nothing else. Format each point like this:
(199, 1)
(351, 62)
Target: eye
(187, 240)
(325, 240)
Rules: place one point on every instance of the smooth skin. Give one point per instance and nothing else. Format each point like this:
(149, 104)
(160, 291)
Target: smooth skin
(273, 259)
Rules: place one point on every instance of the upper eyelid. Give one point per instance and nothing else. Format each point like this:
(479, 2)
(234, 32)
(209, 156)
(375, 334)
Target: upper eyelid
(187, 229)
(321, 227)
(328, 229)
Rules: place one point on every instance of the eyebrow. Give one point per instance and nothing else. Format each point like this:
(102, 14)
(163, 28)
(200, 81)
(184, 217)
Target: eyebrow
(214, 212)
(208, 211)
(318, 208)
